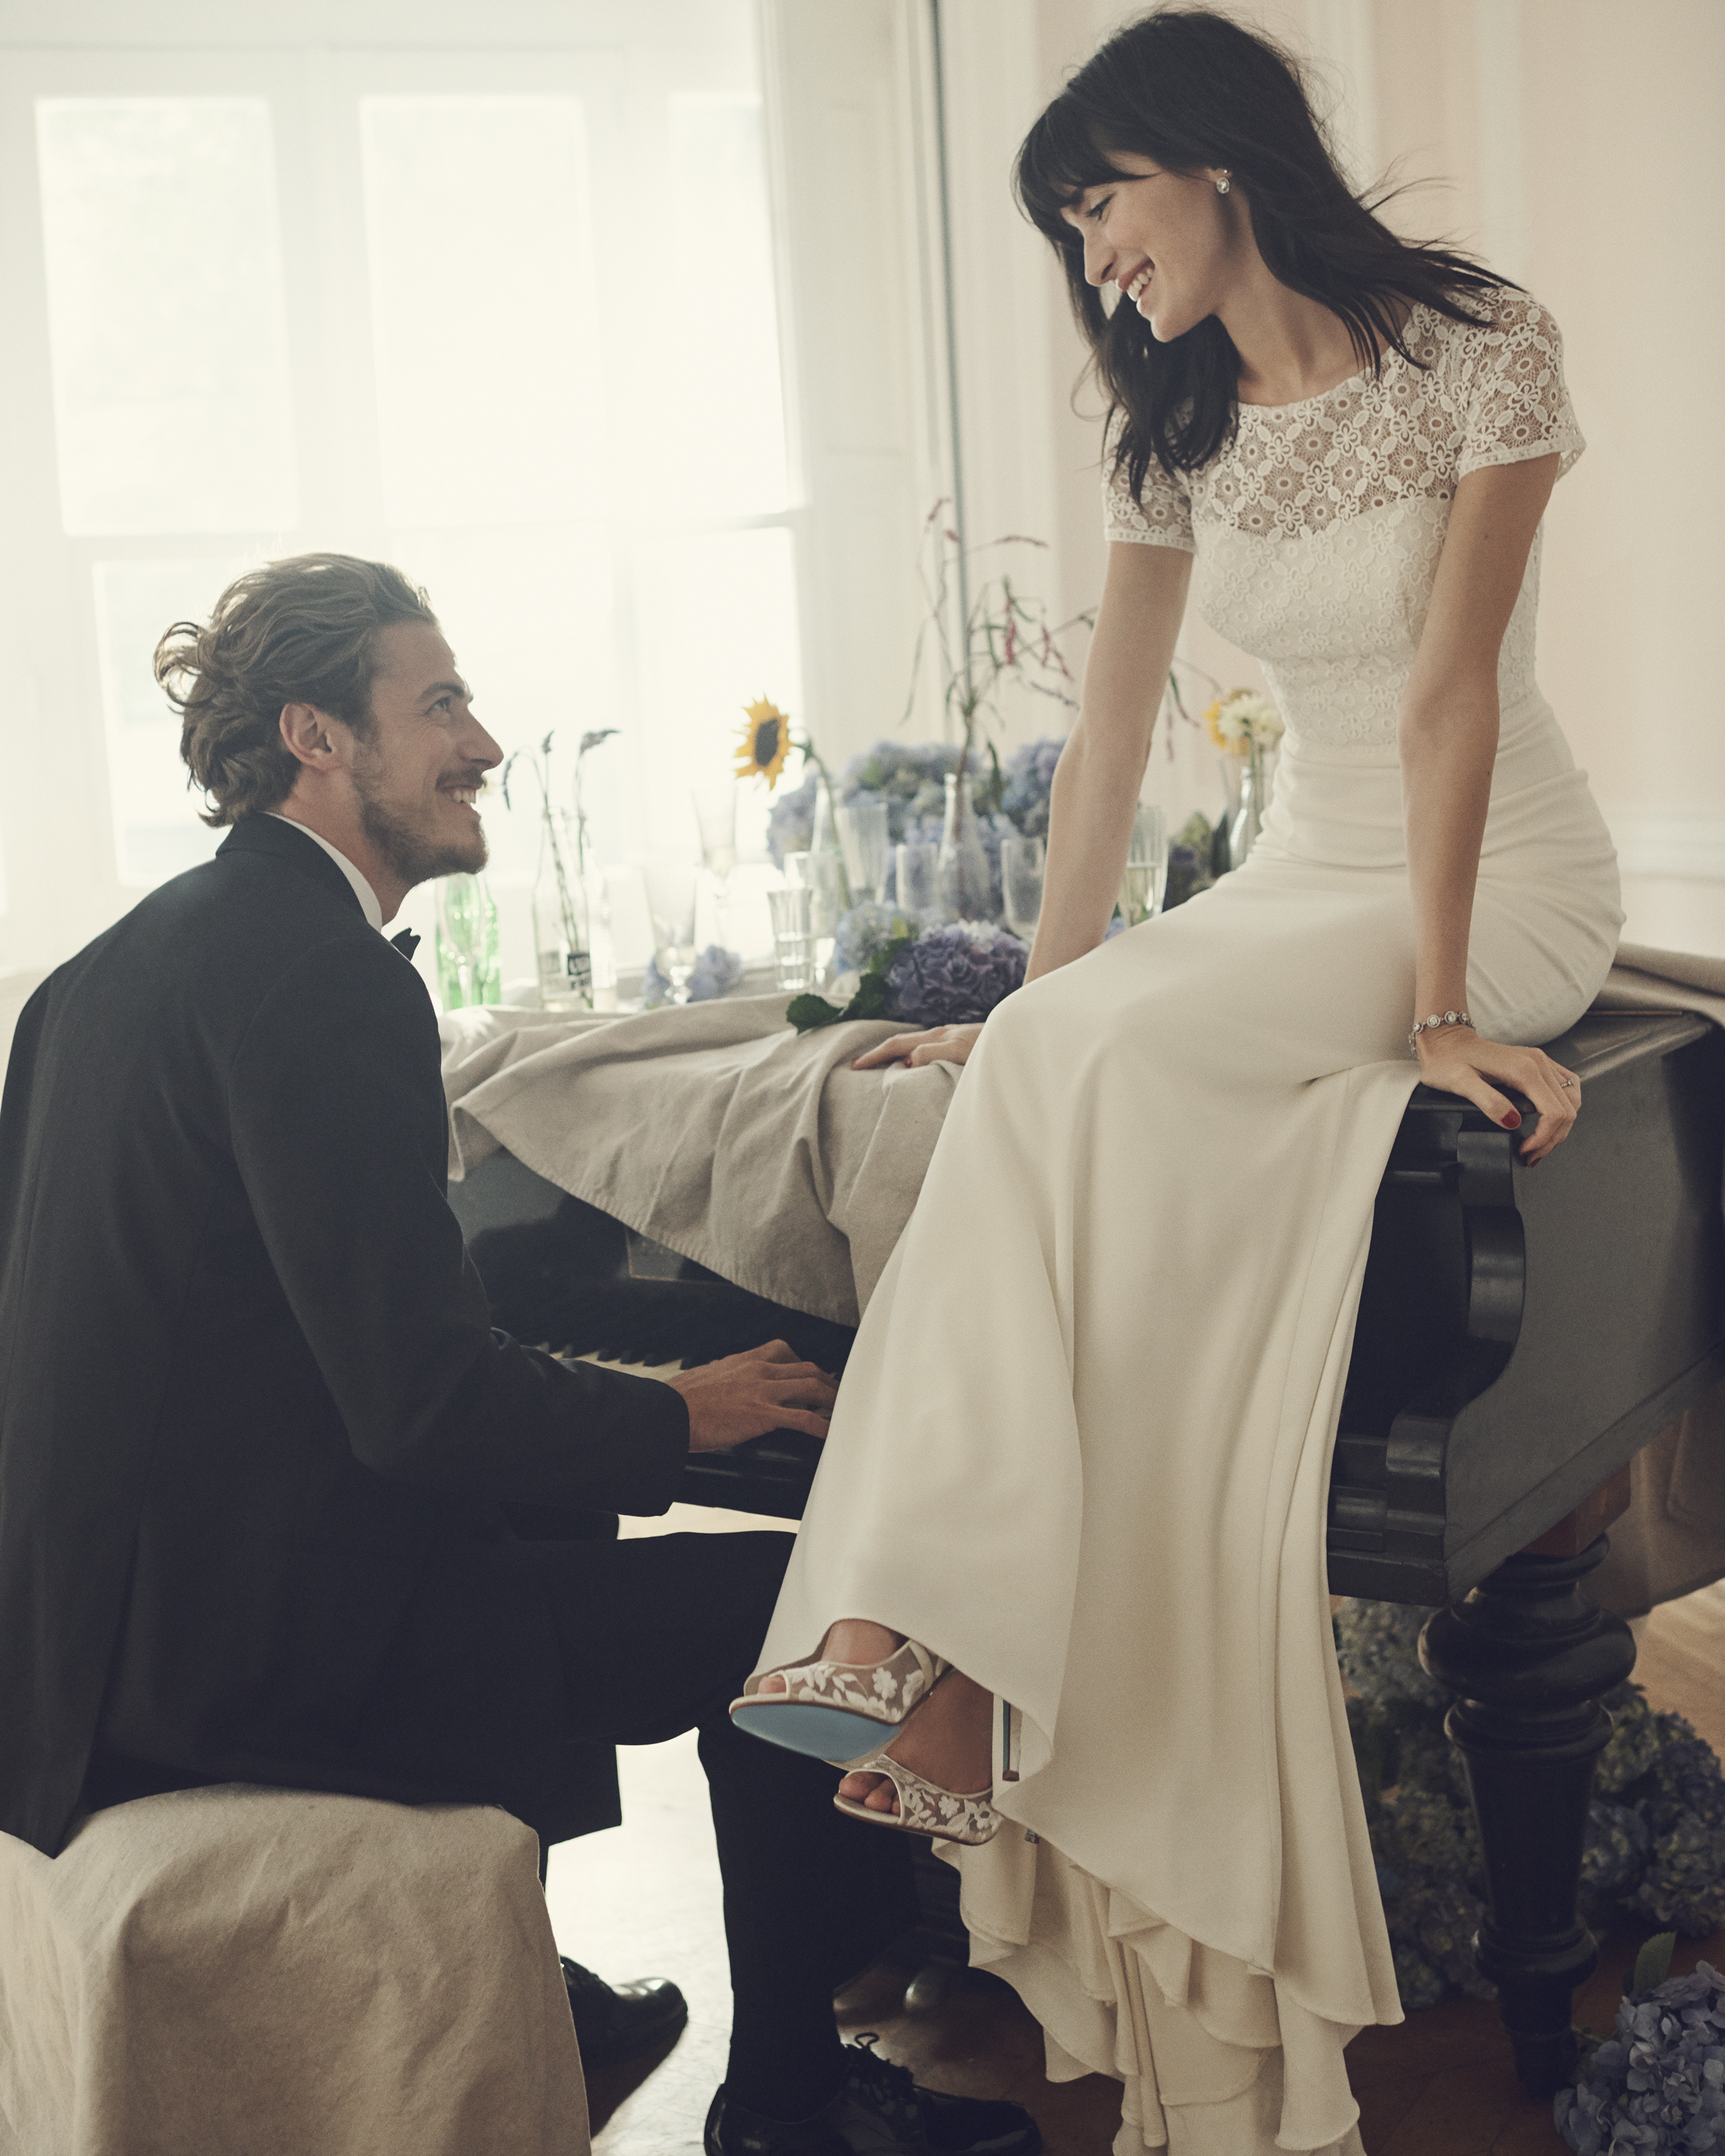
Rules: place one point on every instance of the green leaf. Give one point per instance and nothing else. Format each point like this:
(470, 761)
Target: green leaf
(1652, 1966)
(808, 1012)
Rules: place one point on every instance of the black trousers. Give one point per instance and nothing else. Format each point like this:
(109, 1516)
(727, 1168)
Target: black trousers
(656, 1637)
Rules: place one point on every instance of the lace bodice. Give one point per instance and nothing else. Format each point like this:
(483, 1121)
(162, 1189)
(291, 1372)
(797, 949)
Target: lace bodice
(1317, 529)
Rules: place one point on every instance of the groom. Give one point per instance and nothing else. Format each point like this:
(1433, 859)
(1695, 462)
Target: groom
(259, 1443)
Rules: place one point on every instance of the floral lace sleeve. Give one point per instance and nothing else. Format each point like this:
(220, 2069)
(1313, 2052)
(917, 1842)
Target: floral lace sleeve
(1512, 387)
(1163, 518)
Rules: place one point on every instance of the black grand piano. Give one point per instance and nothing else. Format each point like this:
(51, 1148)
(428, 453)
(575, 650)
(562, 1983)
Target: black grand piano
(1522, 1334)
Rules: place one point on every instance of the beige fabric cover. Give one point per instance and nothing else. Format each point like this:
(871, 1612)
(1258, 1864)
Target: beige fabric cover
(248, 1972)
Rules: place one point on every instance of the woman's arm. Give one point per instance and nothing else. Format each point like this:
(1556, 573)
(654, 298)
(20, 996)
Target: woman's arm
(1102, 768)
(1449, 743)
(1096, 780)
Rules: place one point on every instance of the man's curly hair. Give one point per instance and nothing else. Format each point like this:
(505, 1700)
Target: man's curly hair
(300, 631)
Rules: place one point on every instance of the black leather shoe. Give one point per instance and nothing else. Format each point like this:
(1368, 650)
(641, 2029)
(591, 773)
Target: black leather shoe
(879, 2110)
(615, 2023)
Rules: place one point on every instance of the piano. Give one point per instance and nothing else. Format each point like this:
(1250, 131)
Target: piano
(1522, 1334)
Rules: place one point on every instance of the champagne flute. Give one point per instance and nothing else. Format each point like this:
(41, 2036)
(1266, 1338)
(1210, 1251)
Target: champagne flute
(671, 906)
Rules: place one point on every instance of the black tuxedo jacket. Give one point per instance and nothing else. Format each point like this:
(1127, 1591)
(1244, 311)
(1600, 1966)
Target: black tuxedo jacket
(251, 1399)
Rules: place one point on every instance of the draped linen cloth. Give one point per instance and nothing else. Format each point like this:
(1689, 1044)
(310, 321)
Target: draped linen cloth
(278, 1972)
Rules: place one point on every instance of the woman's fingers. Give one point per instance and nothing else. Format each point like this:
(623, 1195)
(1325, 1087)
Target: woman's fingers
(1467, 1066)
(934, 1044)
(897, 1049)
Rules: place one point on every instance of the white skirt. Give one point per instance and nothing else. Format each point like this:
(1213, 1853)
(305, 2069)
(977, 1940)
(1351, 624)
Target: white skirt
(1082, 1446)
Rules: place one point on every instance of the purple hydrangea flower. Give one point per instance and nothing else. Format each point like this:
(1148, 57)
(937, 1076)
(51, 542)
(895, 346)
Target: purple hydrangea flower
(790, 822)
(1029, 775)
(865, 932)
(951, 975)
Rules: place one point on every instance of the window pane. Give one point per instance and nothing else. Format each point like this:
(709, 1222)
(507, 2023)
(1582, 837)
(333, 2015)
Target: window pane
(715, 628)
(165, 313)
(530, 619)
(482, 309)
(722, 416)
(156, 831)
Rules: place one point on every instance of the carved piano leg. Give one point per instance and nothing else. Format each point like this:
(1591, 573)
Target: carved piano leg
(1528, 1657)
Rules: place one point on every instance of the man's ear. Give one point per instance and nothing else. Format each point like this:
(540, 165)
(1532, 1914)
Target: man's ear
(311, 735)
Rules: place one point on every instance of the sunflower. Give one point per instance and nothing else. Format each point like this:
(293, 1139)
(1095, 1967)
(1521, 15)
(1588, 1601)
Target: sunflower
(765, 744)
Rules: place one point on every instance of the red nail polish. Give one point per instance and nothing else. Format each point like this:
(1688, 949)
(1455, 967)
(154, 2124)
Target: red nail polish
(1512, 1122)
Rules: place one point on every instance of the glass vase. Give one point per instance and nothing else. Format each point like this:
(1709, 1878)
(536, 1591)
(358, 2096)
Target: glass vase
(469, 970)
(961, 874)
(563, 940)
(1248, 811)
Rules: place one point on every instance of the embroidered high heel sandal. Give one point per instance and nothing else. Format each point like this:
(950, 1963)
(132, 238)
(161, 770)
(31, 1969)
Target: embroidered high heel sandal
(924, 1807)
(837, 1711)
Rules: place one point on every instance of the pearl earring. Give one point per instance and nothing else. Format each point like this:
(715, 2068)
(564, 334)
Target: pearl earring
(1225, 183)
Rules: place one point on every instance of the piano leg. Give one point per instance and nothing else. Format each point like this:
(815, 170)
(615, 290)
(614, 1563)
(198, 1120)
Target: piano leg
(1528, 1657)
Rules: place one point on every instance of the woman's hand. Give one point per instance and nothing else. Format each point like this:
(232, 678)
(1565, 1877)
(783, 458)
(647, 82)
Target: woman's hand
(1458, 1061)
(937, 1043)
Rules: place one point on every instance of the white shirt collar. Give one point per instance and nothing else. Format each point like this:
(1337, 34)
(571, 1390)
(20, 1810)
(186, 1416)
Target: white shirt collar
(361, 890)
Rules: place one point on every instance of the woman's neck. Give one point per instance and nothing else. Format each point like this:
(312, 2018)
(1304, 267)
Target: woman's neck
(1290, 347)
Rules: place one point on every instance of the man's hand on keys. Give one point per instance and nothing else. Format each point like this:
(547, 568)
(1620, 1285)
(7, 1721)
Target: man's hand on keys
(743, 1396)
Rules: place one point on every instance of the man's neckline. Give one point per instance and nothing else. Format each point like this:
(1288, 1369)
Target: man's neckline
(362, 890)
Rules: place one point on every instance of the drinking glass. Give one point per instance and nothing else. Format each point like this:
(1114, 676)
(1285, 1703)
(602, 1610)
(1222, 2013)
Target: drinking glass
(822, 874)
(1021, 867)
(792, 913)
(865, 842)
(917, 870)
(1145, 879)
(671, 906)
(468, 970)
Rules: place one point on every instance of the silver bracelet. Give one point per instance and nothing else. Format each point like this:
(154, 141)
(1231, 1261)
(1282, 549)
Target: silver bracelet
(1425, 1024)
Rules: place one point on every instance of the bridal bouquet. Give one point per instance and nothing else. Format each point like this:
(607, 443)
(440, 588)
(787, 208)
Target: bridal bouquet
(944, 975)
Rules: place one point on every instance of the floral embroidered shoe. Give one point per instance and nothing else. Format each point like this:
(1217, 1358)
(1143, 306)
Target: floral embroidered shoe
(836, 1711)
(924, 1807)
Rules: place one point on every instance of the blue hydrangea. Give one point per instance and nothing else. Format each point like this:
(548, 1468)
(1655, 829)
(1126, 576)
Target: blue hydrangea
(864, 933)
(910, 779)
(1377, 1644)
(715, 973)
(1657, 2086)
(950, 975)
(1029, 775)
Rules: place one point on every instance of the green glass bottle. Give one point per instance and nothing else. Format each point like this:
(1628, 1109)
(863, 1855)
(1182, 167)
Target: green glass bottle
(468, 969)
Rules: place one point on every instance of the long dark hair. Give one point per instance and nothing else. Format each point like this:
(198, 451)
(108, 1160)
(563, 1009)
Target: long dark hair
(1191, 89)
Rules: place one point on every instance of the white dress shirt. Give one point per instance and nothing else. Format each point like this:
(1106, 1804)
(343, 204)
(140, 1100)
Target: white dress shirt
(361, 890)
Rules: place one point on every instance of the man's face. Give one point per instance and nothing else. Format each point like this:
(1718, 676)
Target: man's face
(416, 777)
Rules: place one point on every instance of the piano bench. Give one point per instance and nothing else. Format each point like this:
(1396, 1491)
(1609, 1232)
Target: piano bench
(1521, 1336)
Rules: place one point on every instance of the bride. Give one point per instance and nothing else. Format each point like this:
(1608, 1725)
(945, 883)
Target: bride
(1078, 1463)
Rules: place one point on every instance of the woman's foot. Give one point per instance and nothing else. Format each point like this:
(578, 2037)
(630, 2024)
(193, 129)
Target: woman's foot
(845, 1704)
(851, 1640)
(948, 1741)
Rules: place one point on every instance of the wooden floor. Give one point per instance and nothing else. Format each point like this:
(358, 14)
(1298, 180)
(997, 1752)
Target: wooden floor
(643, 1900)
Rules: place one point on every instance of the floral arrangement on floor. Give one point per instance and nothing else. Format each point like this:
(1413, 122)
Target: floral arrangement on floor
(1655, 1852)
(1657, 2083)
(946, 973)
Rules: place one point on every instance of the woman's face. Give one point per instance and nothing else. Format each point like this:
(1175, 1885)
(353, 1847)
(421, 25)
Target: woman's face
(1168, 239)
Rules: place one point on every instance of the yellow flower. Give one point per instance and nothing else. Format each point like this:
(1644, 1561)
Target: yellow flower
(766, 742)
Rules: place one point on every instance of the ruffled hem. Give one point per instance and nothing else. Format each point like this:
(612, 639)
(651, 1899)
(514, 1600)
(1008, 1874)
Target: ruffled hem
(1216, 2058)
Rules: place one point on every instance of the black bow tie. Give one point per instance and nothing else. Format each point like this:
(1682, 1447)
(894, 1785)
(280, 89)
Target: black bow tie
(406, 942)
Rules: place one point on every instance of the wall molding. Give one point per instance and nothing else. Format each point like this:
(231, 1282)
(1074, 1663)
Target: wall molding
(1669, 841)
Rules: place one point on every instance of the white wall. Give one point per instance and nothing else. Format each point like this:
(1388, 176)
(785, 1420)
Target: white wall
(1575, 144)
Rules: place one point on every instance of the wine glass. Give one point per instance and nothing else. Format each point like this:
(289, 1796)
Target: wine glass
(1145, 878)
(1021, 870)
(671, 889)
(716, 815)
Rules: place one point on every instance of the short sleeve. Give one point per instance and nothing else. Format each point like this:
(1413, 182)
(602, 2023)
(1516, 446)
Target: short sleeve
(1516, 404)
(1163, 517)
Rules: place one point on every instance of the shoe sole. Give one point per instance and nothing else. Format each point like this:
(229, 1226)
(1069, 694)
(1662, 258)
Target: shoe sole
(821, 1732)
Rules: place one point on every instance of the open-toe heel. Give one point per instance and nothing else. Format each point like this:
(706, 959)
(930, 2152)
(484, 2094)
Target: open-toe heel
(837, 1711)
(924, 1807)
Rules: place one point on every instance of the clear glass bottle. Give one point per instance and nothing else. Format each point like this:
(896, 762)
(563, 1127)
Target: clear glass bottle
(563, 940)
(469, 968)
(1248, 818)
(961, 870)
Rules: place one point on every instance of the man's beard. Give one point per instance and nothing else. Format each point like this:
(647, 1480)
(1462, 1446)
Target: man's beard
(414, 857)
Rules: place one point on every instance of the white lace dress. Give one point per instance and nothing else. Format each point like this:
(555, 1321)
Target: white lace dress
(1082, 1446)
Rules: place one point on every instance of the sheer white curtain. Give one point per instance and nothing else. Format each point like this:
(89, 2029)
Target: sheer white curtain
(509, 310)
